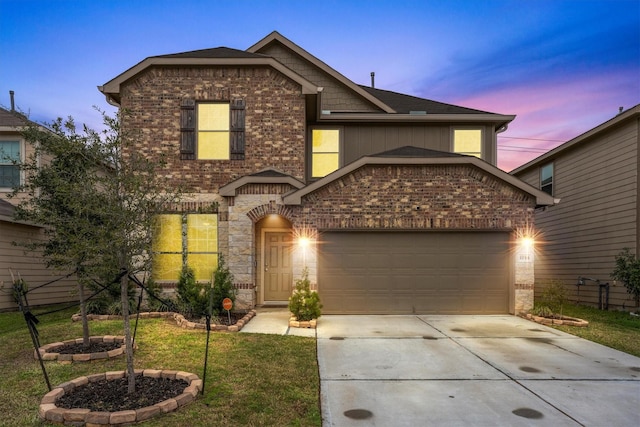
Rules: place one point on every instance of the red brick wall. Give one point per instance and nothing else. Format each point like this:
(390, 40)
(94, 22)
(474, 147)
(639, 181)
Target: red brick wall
(416, 197)
(275, 121)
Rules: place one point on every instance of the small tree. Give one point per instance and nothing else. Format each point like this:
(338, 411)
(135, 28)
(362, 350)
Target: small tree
(97, 196)
(554, 296)
(304, 304)
(627, 270)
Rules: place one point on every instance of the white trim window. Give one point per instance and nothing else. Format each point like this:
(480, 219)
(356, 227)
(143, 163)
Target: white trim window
(546, 178)
(10, 157)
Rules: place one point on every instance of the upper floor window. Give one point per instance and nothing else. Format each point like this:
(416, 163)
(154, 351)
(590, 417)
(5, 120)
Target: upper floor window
(325, 152)
(468, 141)
(546, 178)
(9, 168)
(212, 130)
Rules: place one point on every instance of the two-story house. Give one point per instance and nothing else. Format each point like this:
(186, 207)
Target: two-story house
(13, 257)
(596, 176)
(392, 202)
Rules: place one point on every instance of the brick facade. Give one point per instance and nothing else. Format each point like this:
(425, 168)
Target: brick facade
(275, 121)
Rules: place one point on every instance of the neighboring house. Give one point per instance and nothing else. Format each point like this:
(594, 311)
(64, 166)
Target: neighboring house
(393, 202)
(596, 177)
(13, 258)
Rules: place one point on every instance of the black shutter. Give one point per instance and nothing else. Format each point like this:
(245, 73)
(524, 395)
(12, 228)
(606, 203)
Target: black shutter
(237, 129)
(188, 129)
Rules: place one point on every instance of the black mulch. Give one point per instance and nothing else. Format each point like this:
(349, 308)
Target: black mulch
(112, 396)
(94, 347)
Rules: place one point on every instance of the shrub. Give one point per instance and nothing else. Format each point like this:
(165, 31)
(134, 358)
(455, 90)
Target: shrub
(222, 287)
(627, 270)
(193, 297)
(304, 304)
(554, 296)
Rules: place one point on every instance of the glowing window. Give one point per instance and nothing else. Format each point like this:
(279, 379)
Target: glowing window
(325, 152)
(185, 239)
(213, 131)
(468, 141)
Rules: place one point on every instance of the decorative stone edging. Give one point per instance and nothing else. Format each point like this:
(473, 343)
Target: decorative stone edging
(294, 323)
(184, 323)
(179, 318)
(565, 320)
(48, 351)
(82, 416)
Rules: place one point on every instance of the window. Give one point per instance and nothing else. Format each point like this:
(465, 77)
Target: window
(468, 141)
(212, 130)
(9, 169)
(546, 178)
(325, 152)
(190, 239)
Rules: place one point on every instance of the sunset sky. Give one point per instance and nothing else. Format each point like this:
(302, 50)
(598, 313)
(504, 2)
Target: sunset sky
(563, 67)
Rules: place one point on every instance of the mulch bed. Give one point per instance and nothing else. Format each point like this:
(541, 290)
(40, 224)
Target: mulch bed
(111, 395)
(94, 347)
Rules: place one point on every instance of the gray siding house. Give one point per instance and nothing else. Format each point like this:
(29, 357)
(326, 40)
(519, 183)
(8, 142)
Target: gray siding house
(596, 177)
(28, 265)
(392, 202)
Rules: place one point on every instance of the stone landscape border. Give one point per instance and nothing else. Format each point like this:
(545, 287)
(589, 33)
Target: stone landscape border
(82, 416)
(48, 351)
(179, 318)
(565, 320)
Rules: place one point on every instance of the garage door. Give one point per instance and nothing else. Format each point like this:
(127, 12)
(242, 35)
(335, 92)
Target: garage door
(402, 273)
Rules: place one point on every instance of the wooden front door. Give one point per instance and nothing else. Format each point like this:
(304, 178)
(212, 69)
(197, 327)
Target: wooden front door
(278, 280)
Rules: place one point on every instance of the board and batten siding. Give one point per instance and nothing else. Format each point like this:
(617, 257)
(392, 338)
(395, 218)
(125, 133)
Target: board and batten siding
(31, 268)
(596, 218)
(364, 139)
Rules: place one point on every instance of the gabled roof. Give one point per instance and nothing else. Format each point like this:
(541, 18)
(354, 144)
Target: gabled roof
(393, 106)
(216, 56)
(401, 156)
(631, 113)
(276, 37)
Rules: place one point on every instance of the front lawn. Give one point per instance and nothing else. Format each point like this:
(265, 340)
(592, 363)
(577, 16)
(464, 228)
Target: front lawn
(252, 379)
(615, 329)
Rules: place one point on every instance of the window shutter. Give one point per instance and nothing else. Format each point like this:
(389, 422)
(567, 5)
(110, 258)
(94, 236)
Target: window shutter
(188, 129)
(237, 129)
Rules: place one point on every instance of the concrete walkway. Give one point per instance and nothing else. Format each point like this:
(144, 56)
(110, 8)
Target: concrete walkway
(467, 371)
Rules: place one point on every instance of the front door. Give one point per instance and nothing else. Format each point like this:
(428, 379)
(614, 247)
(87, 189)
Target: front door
(277, 266)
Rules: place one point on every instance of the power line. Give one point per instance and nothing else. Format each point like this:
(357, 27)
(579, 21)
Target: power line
(531, 139)
(524, 149)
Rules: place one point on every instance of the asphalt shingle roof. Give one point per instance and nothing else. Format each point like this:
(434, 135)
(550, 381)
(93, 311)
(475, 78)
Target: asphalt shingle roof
(415, 152)
(405, 104)
(216, 52)
(12, 118)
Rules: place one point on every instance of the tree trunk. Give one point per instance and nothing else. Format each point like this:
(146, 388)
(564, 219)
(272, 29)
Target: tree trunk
(83, 314)
(124, 295)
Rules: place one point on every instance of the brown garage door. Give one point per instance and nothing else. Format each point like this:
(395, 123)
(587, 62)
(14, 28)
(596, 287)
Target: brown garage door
(401, 273)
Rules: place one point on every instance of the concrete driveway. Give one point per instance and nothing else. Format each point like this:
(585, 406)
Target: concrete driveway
(470, 371)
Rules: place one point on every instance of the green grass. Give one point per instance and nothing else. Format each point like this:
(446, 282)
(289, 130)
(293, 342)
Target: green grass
(252, 379)
(615, 329)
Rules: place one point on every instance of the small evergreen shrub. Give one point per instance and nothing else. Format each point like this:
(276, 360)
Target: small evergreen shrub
(304, 304)
(222, 287)
(193, 297)
(627, 270)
